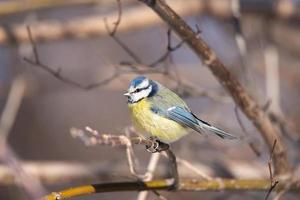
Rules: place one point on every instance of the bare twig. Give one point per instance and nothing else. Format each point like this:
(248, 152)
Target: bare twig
(169, 48)
(252, 145)
(117, 22)
(112, 34)
(57, 73)
(33, 44)
(91, 137)
(273, 183)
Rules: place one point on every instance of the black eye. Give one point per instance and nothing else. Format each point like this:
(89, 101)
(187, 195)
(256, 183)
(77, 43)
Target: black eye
(138, 90)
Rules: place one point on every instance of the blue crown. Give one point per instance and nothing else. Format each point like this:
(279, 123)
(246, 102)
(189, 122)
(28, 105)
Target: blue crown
(138, 80)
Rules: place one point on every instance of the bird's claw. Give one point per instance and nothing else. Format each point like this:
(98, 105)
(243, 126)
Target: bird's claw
(156, 146)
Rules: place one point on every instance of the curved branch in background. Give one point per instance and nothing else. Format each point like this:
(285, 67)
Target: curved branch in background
(119, 70)
(246, 103)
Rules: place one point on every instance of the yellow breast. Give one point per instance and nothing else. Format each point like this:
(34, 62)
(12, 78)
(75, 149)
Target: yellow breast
(151, 124)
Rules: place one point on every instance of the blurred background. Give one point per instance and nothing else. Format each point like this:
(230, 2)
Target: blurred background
(258, 41)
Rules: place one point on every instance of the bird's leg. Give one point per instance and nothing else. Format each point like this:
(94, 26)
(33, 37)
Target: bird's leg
(156, 145)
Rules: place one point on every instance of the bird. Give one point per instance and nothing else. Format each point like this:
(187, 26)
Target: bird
(157, 112)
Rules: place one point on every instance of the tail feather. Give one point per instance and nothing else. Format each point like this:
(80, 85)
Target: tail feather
(215, 130)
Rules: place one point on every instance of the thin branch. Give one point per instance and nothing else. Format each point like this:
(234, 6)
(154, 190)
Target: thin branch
(273, 183)
(33, 44)
(57, 73)
(119, 70)
(90, 134)
(112, 34)
(252, 145)
(127, 49)
(117, 22)
(92, 137)
(170, 48)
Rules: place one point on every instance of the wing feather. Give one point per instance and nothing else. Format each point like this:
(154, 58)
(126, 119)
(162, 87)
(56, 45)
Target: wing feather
(186, 118)
(181, 116)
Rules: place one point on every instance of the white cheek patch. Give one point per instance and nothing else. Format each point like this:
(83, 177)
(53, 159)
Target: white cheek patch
(142, 94)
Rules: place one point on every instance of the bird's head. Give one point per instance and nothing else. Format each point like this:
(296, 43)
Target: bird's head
(140, 88)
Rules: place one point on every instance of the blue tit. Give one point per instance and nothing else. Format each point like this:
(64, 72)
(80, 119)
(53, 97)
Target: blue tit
(160, 113)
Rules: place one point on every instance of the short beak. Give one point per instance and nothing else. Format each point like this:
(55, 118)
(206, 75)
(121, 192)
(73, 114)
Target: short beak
(127, 94)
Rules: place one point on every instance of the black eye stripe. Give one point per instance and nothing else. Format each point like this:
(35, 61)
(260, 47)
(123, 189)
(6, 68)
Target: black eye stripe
(140, 89)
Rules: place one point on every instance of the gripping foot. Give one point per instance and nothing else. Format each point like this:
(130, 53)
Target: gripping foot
(156, 146)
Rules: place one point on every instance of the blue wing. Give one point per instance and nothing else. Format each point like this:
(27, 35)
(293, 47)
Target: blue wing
(181, 116)
(188, 119)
